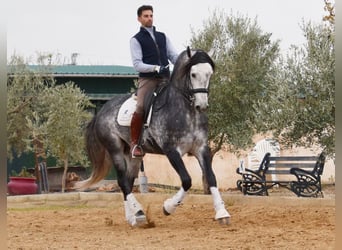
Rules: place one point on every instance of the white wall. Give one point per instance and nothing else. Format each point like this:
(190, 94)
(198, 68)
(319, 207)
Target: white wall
(159, 170)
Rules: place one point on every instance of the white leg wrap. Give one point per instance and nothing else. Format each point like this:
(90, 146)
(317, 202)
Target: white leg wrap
(130, 218)
(171, 204)
(132, 206)
(221, 212)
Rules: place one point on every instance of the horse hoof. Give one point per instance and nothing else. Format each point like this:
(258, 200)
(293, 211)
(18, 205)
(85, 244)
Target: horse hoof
(141, 221)
(137, 220)
(165, 212)
(170, 206)
(224, 221)
(140, 218)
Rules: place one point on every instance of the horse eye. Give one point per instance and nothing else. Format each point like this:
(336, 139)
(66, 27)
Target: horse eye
(193, 75)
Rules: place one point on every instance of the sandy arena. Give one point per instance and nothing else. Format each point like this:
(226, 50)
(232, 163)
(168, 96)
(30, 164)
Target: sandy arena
(96, 221)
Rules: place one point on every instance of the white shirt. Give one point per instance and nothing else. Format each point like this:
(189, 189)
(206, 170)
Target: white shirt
(137, 55)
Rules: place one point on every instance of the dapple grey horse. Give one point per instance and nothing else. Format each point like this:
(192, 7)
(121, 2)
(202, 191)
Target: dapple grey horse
(178, 126)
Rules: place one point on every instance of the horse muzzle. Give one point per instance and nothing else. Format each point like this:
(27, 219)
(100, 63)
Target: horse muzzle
(201, 108)
(200, 99)
(201, 102)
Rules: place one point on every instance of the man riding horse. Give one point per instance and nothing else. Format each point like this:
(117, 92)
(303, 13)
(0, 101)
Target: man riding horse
(151, 51)
(179, 124)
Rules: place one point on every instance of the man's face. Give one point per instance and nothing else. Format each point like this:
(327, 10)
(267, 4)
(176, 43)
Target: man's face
(146, 18)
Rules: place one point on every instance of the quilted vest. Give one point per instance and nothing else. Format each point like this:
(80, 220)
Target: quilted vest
(154, 52)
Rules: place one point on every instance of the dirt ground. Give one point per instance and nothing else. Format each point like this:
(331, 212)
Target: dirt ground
(277, 222)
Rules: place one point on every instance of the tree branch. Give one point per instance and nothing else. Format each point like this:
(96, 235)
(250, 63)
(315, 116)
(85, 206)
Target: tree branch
(20, 107)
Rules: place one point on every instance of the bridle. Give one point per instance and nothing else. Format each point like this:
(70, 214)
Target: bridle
(190, 91)
(199, 90)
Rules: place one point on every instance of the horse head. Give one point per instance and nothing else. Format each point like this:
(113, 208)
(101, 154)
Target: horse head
(191, 74)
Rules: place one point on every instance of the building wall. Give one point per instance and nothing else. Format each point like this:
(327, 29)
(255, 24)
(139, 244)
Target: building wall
(159, 170)
(98, 85)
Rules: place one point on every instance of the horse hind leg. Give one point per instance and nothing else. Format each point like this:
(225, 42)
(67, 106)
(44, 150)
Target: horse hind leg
(133, 211)
(126, 170)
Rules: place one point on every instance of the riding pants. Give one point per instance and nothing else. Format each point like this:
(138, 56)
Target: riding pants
(145, 85)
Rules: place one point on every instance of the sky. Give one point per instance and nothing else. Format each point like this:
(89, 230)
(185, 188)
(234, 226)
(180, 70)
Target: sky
(99, 31)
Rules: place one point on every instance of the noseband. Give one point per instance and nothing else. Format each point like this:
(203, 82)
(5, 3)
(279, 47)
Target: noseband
(199, 90)
(190, 92)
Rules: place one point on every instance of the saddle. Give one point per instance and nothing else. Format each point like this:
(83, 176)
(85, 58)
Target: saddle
(128, 107)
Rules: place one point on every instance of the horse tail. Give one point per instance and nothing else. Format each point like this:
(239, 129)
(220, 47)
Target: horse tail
(98, 156)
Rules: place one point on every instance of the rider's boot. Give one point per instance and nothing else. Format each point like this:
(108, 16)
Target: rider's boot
(136, 128)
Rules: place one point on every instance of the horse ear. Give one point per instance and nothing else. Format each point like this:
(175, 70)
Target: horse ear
(188, 51)
(211, 52)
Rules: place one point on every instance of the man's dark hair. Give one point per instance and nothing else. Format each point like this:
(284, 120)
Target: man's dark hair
(144, 7)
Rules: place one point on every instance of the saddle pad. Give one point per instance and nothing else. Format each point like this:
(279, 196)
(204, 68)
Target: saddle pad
(126, 111)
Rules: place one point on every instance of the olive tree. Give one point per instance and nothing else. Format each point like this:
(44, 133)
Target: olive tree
(302, 111)
(66, 119)
(43, 117)
(245, 67)
(26, 106)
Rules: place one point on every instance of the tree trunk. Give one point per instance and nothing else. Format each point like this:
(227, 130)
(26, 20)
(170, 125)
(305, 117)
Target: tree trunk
(39, 156)
(64, 174)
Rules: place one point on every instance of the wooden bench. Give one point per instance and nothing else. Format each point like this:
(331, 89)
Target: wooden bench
(300, 174)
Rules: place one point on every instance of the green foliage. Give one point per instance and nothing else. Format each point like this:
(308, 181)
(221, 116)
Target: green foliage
(255, 90)
(244, 57)
(25, 100)
(45, 116)
(303, 107)
(23, 173)
(66, 119)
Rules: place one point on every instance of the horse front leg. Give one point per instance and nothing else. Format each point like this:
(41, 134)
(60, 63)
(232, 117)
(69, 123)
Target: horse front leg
(176, 161)
(205, 162)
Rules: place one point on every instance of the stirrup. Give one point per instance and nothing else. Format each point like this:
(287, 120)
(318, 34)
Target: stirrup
(137, 151)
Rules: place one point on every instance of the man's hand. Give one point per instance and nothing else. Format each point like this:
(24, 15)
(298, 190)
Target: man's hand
(161, 69)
